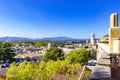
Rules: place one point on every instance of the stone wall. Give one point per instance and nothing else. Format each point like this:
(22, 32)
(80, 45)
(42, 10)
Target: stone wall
(102, 48)
(113, 33)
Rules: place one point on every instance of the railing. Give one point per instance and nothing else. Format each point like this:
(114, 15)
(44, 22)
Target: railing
(101, 51)
(85, 73)
(104, 50)
(82, 73)
(103, 47)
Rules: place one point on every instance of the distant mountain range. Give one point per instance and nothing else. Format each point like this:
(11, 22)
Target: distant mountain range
(58, 39)
(10, 39)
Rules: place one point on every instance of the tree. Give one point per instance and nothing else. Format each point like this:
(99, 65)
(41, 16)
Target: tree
(92, 53)
(6, 53)
(38, 44)
(24, 71)
(78, 56)
(56, 44)
(53, 54)
(43, 71)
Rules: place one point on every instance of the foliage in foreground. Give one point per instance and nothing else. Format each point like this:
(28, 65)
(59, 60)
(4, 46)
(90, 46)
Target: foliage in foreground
(86, 74)
(42, 71)
(52, 69)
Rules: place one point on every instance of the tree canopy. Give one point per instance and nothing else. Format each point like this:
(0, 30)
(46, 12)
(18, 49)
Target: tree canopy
(51, 67)
(53, 54)
(6, 53)
(78, 56)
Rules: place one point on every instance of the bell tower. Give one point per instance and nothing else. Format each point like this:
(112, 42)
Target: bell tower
(92, 38)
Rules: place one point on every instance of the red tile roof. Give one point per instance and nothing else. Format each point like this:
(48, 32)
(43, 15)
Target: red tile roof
(3, 72)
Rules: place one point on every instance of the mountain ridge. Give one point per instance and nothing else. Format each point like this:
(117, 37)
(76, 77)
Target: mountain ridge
(59, 38)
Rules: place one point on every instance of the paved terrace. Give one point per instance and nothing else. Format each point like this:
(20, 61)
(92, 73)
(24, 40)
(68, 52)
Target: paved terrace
(102, 70)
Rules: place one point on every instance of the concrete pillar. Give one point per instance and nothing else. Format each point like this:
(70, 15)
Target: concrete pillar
(114, 20)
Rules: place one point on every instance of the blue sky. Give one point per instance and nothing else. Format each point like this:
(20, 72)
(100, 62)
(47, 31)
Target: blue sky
(51, 18)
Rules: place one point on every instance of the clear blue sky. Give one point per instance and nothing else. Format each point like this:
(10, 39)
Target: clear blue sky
(51, 18)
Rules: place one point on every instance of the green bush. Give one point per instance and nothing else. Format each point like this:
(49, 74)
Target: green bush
(78, 56)
(43, 71)
(24, 71)
(92, 53)
(53, 54)
(6, 53)
(86, 74)
(50, 66)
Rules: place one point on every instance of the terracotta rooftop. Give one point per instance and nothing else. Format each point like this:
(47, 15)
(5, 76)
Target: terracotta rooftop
(3, 72)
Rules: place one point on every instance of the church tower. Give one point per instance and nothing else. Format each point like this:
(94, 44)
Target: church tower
(92, 38)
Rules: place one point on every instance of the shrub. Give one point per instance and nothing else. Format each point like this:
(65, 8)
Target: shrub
(78, 56)
(43, 71)
(53, 54)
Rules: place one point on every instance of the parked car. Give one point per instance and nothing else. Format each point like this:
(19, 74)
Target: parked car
(5, 65)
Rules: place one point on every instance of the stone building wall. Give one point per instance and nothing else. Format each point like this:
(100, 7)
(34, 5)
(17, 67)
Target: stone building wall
(114, 33)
